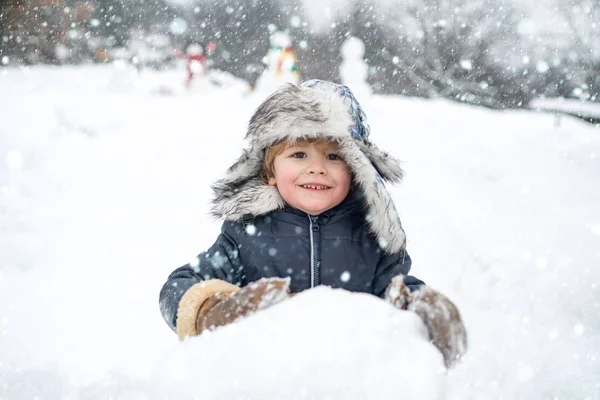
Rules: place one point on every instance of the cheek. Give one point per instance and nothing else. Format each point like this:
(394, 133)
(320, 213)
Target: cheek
(285, 178)
(343, 178)
(285, 174)
(286, 186)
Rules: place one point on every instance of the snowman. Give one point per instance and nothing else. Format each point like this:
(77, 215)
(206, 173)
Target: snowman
(280, 64)
(196, 64)
(353, 69)
(126, 72)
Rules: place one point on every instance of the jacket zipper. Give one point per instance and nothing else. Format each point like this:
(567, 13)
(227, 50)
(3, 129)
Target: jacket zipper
(315, 267)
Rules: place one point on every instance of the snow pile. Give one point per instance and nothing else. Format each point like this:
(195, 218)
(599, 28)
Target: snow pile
(323, 343)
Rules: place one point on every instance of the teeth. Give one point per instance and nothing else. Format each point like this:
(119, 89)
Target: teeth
(314, 187)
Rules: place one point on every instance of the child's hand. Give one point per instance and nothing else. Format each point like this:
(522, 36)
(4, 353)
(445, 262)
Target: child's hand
(441, 317)
(253, 297)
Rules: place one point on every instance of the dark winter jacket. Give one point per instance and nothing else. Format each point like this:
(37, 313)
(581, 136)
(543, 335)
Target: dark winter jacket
(335, 249)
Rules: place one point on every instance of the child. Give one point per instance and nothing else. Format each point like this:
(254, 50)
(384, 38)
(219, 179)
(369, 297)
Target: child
(305, 205)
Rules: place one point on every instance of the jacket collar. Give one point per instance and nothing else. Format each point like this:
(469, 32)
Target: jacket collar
(352, 204)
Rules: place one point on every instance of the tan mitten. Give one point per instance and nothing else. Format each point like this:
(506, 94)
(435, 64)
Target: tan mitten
(216, 303)
(441, 317)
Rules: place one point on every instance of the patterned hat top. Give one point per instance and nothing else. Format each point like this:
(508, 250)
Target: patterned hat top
(360, 127)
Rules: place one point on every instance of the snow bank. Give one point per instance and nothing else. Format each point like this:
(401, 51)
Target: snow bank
(323, 343)
(571, 106)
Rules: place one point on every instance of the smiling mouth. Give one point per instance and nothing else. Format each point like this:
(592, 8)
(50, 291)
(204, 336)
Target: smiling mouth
(315, 187)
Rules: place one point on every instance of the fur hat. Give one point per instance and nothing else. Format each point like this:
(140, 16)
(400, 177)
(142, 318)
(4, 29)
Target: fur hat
(314, 109)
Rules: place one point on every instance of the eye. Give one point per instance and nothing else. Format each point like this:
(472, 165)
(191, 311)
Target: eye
(299, 154)
(333, 157)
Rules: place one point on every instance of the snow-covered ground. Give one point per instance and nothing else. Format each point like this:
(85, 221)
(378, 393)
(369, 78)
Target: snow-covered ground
(583, 109)
(104, 190)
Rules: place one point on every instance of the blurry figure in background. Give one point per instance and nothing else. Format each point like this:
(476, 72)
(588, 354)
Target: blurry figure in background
(252, 73)
(196, 63)
(281, 64)
(211, 47)
(136, 61)
(126, 73)
(353, 69)
(102, 55)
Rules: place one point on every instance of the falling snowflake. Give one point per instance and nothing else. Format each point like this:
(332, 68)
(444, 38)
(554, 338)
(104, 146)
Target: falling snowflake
(383, 243)
(251, 229)
(218, 260)
(526, 27)
(542, 66)
(466, 65)
(195, 264)
(178, 26)
(345, 277)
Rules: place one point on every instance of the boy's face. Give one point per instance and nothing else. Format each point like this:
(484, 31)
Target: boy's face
(311, 177)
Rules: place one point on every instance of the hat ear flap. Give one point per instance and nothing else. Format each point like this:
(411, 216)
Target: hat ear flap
(247, 165)
(382, 216)
(387, 165)
(242, 191)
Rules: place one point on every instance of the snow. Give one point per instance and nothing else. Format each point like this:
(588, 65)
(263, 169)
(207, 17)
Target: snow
(104, 190)
(571, 106)
(338, 345)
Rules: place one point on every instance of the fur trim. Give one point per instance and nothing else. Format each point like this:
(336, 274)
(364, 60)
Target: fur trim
(236, 199)
(241, 192)
(295, 112)
(192, 300)
(387, 166)
(382, 216)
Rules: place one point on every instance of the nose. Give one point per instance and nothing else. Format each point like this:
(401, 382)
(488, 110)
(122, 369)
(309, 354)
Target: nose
(317, 166)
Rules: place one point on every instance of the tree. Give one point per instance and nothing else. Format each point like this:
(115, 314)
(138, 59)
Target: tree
(32, 29)
(582, 19)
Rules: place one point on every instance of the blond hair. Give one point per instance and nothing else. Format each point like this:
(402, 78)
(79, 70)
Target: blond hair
(268, 169)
